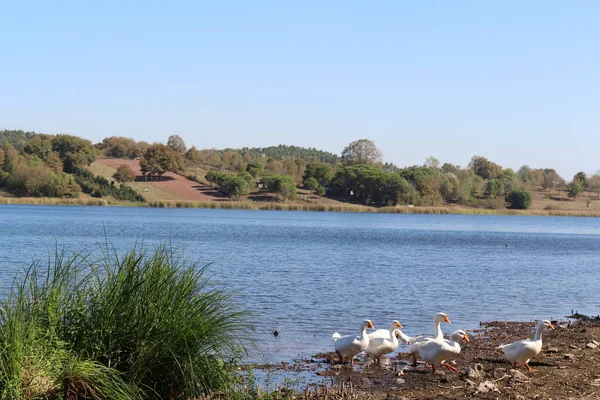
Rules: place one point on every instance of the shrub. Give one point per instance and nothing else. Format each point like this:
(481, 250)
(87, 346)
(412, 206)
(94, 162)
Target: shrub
(321, 191)
(311, 183)
(519, 200)
(247, 177)
(141, 326)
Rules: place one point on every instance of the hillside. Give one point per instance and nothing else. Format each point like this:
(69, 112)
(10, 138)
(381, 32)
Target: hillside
(176, 187)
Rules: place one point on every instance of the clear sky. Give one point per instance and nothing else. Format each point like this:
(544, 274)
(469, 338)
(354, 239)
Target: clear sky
(515, 81)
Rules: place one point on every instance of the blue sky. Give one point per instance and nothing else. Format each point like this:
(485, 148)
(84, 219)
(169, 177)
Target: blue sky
(517, 82)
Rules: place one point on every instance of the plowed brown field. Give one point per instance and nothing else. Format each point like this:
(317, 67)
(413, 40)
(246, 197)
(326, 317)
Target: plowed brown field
(179, 186)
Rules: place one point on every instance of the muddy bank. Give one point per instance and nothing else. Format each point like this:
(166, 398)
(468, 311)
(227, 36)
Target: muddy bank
(567, 368)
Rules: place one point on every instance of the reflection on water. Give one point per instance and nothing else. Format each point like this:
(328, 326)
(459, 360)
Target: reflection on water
(311, 274)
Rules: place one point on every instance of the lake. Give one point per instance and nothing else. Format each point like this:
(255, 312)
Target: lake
(310, 274)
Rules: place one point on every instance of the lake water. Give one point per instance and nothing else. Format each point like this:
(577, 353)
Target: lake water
(310, 274)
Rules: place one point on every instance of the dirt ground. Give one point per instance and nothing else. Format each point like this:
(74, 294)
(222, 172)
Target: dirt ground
(179, 186)
(567, 368)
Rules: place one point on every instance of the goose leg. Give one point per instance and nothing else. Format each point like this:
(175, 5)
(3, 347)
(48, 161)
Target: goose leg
(340, 356)
(515, 365)
(414, 357)
(529, 368)
(433, 368)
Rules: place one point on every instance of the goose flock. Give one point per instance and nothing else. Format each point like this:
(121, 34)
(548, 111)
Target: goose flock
(434, 350)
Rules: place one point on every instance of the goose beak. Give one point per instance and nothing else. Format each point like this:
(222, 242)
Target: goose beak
(399, 325)
(446, 319)
(371, 325)
(550, 325)
(466, 338)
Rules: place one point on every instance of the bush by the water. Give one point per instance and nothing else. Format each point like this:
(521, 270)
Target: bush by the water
(141, 326)
(519, 200)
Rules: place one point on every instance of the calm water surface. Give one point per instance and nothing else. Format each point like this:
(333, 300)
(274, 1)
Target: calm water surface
(310, 274)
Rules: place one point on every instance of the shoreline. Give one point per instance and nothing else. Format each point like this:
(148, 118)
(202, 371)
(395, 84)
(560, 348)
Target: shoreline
(273, 206)
(565, 368)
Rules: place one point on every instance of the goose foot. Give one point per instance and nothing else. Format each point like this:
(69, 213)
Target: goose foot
(450, 367)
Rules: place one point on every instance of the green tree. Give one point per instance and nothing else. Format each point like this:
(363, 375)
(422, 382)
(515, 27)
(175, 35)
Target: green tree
(362, 151)
(73, 151)
(235, 186)
(121, 147)
(286, 188)
(495, 187)
(159, 159)
(447, 167)
(525, 173)
(510, 179)
(40, 146)
(390, 167)
(247, 177)
(66, 186)
(581, 178)
(283, 186)
(519, 199)
(11, 156)
(176, 143)
(484, 168)
(255, 168)
(549, 179)
(321, 191)
(323, 173)
(574, 189)
(311, 183)
(124, 174)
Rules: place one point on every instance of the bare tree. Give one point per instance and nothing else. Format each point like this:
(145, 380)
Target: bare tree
(432, 162)
(176, 143)
(362, 151)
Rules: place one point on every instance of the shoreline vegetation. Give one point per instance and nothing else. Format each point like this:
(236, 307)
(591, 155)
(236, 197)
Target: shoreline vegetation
(275, 206)
(132, 326)
(65, 169)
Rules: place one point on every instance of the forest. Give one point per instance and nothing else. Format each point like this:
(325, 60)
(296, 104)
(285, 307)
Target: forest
(40, 165)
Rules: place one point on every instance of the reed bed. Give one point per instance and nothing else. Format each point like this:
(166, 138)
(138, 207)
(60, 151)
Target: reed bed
(483, 211)
(444, 210)
(246, 205)
(53, 201)
(140, 326)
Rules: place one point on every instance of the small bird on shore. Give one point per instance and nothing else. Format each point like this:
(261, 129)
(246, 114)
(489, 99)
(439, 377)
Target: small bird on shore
(521, 351)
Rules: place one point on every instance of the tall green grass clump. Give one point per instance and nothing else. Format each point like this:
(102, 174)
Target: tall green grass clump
(141, 326)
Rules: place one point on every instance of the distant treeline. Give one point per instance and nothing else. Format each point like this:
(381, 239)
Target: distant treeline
(358, 175)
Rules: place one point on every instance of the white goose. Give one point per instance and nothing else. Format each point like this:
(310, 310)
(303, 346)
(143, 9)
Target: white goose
(379, 345)
(521, 351)
(436, 351)
(349, 346)
(415, 342)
